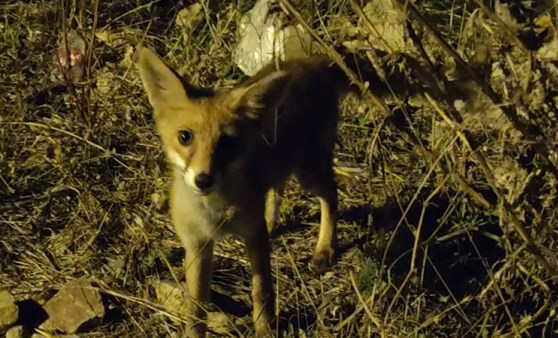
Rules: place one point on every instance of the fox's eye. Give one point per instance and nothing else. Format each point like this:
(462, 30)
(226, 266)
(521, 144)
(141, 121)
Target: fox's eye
(185, 137)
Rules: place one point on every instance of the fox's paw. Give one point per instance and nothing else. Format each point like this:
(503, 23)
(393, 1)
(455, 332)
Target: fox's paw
(271, 227)
(264, 327)
(323, 259)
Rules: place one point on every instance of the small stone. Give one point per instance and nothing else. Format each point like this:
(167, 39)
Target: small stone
(15, 332)
(219, 323)
(189, 17)
(76, 305)
(9, 311)
(174, 298)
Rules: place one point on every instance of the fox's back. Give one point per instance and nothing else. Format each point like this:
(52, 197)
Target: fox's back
(303, 125)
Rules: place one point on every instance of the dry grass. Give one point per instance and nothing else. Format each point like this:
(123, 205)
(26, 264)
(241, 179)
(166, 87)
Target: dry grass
(448, 220)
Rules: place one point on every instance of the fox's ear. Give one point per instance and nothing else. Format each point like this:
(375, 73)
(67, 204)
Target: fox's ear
(162, 84)
(250, 99)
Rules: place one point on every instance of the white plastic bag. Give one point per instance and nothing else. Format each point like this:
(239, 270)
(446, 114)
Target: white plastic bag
(262, 39)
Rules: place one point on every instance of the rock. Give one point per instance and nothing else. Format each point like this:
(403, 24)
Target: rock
(189, 17)
(219, 323)
(76, 305)
(174, 298)
(15, 332)
(9, 311)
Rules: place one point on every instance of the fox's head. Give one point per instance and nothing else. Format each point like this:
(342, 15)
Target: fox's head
(206, 133)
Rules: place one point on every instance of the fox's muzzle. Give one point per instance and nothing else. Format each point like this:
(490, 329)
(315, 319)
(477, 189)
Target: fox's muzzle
(203, 181)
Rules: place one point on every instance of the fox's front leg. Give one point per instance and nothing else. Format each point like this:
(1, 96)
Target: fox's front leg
(321, 182)
(263, 297)
(198, 269)
(272, 205)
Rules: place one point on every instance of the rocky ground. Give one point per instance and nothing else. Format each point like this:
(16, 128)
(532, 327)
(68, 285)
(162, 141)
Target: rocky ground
(447, 182)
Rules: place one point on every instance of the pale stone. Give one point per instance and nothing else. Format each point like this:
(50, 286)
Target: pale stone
(76, 304)
(9, 311)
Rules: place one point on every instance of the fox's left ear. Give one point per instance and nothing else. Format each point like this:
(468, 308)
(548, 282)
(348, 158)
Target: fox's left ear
(263, 93)
(163, 86)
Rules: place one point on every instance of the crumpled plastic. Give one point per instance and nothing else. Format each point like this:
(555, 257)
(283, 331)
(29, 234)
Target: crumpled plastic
(264, 38)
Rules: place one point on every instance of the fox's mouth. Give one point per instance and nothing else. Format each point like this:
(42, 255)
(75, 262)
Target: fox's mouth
(199, 192)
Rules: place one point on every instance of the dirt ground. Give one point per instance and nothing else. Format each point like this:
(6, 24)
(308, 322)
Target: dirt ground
(447, 182)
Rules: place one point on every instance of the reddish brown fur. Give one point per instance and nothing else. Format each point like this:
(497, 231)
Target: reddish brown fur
(250, 139)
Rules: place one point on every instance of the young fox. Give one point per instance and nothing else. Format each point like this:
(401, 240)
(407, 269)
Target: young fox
(231, 152)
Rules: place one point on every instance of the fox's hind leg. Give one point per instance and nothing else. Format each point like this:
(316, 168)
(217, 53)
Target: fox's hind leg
(327, 239)
(272, 206)
(318, 178)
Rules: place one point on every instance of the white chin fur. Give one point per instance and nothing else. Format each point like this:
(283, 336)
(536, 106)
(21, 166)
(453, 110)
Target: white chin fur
(189, 178)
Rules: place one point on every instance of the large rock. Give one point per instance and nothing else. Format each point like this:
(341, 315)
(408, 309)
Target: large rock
(76, 305)
(8, 310)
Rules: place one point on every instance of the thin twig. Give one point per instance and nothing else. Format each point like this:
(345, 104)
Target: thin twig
(505, 29)
(529, 131)
(372, 317)
(532, 245)
(336, 57)
(65, 132)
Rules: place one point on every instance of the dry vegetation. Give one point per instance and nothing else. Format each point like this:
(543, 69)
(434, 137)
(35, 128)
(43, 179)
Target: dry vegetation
(448, 190)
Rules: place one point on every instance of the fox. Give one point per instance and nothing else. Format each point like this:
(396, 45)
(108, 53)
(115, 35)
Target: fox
(231, 151)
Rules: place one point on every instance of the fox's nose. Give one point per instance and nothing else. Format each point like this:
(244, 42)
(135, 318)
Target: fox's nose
(203, 181)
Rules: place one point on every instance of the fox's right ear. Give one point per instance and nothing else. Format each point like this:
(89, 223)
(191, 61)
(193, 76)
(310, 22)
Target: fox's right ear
(163, 86)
